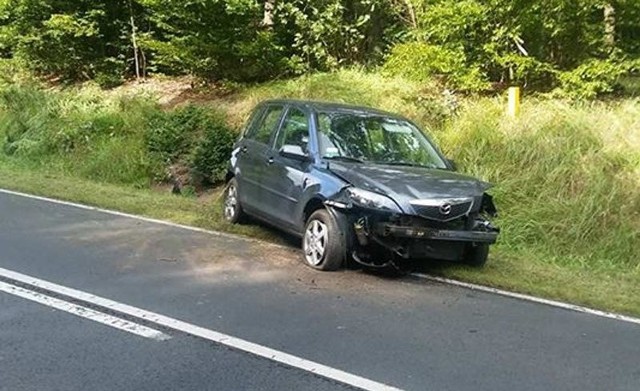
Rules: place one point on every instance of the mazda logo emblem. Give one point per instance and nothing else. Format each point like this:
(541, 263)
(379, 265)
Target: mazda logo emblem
(445, 209)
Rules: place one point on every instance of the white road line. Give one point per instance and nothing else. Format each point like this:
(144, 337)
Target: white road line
(520, 296)
(84, 312)
(224, 339)
(553, 303)
(140, 218)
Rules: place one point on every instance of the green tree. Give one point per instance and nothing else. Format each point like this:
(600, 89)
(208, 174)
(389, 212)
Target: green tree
(76, 40)
(212, 39)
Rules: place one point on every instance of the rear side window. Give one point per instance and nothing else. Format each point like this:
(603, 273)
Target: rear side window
(251, 123)
(266, 125)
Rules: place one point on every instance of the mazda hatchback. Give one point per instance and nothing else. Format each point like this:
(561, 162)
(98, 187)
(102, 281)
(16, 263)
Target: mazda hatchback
(356, 183)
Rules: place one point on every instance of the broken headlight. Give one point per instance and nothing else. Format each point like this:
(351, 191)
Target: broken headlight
(488, 206)
(371, 200)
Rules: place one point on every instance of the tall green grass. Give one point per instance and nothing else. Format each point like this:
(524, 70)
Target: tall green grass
(80, 131)
(567, 177)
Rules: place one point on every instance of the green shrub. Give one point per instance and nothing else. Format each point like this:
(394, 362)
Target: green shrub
(528, 71)
(592, 79)
(112, 139)
(169, 135)
(422, 62)
(211, 155)
(192, 136)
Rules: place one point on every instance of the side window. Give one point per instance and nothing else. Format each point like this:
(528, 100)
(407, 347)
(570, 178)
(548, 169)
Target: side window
(267, 125)
(295, 130)
(251, 123)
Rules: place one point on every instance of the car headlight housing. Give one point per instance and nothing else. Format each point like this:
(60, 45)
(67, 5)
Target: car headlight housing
(371, 200)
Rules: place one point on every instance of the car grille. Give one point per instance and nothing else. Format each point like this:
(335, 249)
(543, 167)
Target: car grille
(442, 210)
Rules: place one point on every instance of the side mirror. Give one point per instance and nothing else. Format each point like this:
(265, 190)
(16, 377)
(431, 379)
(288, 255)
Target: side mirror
(452, 164)
(293, 152)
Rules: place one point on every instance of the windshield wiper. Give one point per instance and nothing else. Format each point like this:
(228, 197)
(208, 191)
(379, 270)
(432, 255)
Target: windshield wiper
(344, 158)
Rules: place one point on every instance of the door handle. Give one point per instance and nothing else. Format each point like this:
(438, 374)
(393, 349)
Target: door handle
(270, 160)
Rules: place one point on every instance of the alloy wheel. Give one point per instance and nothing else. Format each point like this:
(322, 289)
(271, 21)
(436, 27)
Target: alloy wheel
(315, 242)
(230, 203)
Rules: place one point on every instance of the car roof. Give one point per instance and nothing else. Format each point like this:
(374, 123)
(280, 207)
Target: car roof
(332, 107)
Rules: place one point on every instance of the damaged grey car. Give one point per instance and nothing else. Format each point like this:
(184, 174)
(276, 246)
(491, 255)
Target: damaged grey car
(356, 183)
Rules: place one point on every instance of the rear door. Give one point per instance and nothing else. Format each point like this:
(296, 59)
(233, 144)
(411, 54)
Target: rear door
(285, 177)
(253, 152)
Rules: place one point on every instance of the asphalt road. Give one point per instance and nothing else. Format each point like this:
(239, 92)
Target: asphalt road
(407, 333)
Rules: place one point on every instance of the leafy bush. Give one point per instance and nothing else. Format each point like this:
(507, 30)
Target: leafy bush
(322, 35)
(192, 136)
(422, 62)
(169, 135)
(112, 138)
(528, 71)
(592, 79)
(72, 40)
(214, 40)
(210, 159)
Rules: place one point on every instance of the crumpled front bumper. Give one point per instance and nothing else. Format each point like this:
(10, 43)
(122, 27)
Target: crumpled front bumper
(390, 230)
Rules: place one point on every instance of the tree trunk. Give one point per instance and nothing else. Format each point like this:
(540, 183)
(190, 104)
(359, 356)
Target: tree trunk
(267, 20)
(609, 25)
(412, 13)
(134, 42)
(407, 13)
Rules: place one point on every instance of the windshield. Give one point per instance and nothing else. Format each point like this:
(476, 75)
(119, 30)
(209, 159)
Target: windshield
(376, 139)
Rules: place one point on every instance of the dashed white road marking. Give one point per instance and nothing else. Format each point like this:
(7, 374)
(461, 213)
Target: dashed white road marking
(211, 335)
(84, 312)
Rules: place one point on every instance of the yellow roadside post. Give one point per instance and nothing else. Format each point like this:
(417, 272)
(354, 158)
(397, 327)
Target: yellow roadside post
(513, 109)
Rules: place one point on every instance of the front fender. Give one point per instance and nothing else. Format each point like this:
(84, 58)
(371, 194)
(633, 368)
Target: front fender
(318, 186)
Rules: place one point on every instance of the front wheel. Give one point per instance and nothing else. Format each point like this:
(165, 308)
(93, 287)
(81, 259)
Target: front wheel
(232, 210)
(323, 246)
(476, 255)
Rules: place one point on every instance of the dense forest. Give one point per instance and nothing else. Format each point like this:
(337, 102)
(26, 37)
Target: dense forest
(584, 47)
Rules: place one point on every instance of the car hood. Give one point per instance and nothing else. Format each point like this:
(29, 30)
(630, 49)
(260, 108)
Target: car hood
(405, 183)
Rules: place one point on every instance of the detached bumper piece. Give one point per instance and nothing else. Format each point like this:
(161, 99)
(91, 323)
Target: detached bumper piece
(386, 230)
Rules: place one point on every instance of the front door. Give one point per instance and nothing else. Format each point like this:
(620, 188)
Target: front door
(285, 177)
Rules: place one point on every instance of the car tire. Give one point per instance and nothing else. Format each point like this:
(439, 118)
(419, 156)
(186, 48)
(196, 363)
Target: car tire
(323, 246)
(231, 208)
(476, 255)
